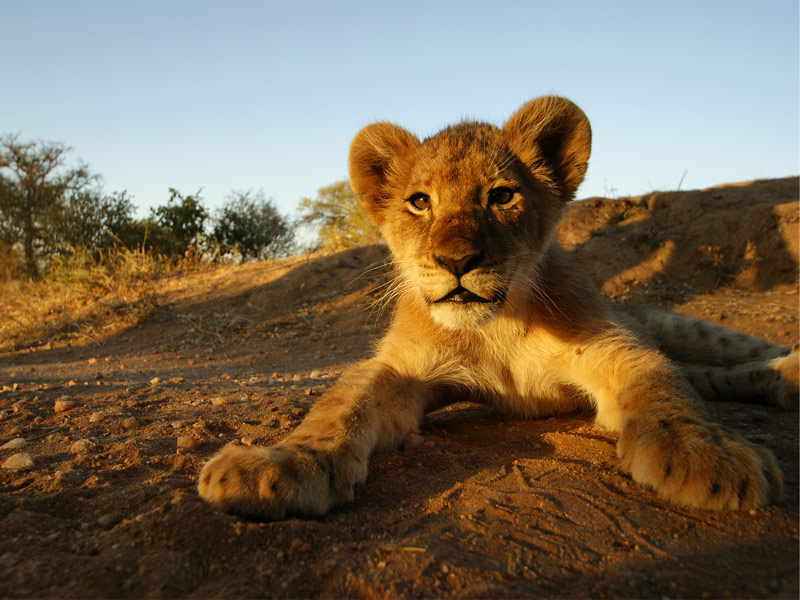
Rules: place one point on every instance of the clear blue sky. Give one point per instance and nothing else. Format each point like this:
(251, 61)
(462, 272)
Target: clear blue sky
(243, 94)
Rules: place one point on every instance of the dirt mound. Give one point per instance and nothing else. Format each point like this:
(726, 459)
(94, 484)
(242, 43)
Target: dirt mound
(486, 507)
(743, 235)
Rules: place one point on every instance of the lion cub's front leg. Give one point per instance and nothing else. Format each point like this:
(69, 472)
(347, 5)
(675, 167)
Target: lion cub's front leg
(319, 463)
(669, 443)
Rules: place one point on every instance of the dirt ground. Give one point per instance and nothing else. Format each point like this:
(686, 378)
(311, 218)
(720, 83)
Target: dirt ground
(116, 430)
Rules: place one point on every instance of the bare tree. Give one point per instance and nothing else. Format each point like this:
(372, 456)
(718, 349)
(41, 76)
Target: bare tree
(34, 185)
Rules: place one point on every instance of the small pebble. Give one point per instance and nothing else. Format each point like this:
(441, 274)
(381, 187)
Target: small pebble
(23, 460)
(188, 442)
(92, 361)
(81, 446)
(106, 520)
(175, 380)
(19, 405)
(131, 423)
(180, 424)
(15, 444)
(96, 417)
(315, 374)
(63, 404)
(22, 482)
(219, 401)
(66, 477)
(8, 560)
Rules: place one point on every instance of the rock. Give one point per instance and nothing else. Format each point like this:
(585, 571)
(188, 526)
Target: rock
(19, 405)
(92, 361)
(96, 417)
(82, 446)
(3, 415)
(131, 423)
(175, 380)
(219, 401)
(63, 404)
(180, 424)
(155, 380)
(316, 375)
(15, 444)
(188, 442)
(16, 462)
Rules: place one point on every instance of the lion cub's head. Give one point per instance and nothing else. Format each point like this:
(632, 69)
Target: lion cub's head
(469, 213)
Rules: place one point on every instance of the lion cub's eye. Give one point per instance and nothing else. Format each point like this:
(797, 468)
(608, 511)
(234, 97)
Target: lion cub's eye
(419, 203)
(501, 196)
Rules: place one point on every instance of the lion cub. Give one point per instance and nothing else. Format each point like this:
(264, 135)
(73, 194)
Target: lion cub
(491, 308)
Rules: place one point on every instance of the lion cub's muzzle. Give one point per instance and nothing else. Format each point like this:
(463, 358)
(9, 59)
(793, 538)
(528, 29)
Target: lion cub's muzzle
(463, 267)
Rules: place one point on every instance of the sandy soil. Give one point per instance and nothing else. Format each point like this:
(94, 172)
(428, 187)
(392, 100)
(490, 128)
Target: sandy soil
(485, 507)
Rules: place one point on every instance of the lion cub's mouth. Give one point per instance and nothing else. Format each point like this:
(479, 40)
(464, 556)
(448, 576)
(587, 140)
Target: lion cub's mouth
(461, 295)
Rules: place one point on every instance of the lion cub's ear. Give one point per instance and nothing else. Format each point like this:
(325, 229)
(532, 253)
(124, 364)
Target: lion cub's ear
(552, 136)
(379, 154)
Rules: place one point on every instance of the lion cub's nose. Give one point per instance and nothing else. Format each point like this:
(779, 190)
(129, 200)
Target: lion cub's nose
(460, 265)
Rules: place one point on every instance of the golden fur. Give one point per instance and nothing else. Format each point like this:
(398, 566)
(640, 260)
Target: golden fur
(491, 309)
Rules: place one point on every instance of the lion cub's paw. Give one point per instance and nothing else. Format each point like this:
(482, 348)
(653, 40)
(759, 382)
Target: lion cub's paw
(695, 463)
(268, 483)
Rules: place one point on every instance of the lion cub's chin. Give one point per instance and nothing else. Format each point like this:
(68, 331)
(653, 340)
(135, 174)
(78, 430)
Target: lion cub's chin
(463, 316)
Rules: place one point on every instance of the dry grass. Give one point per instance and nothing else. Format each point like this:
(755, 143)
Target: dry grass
(81, 297)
